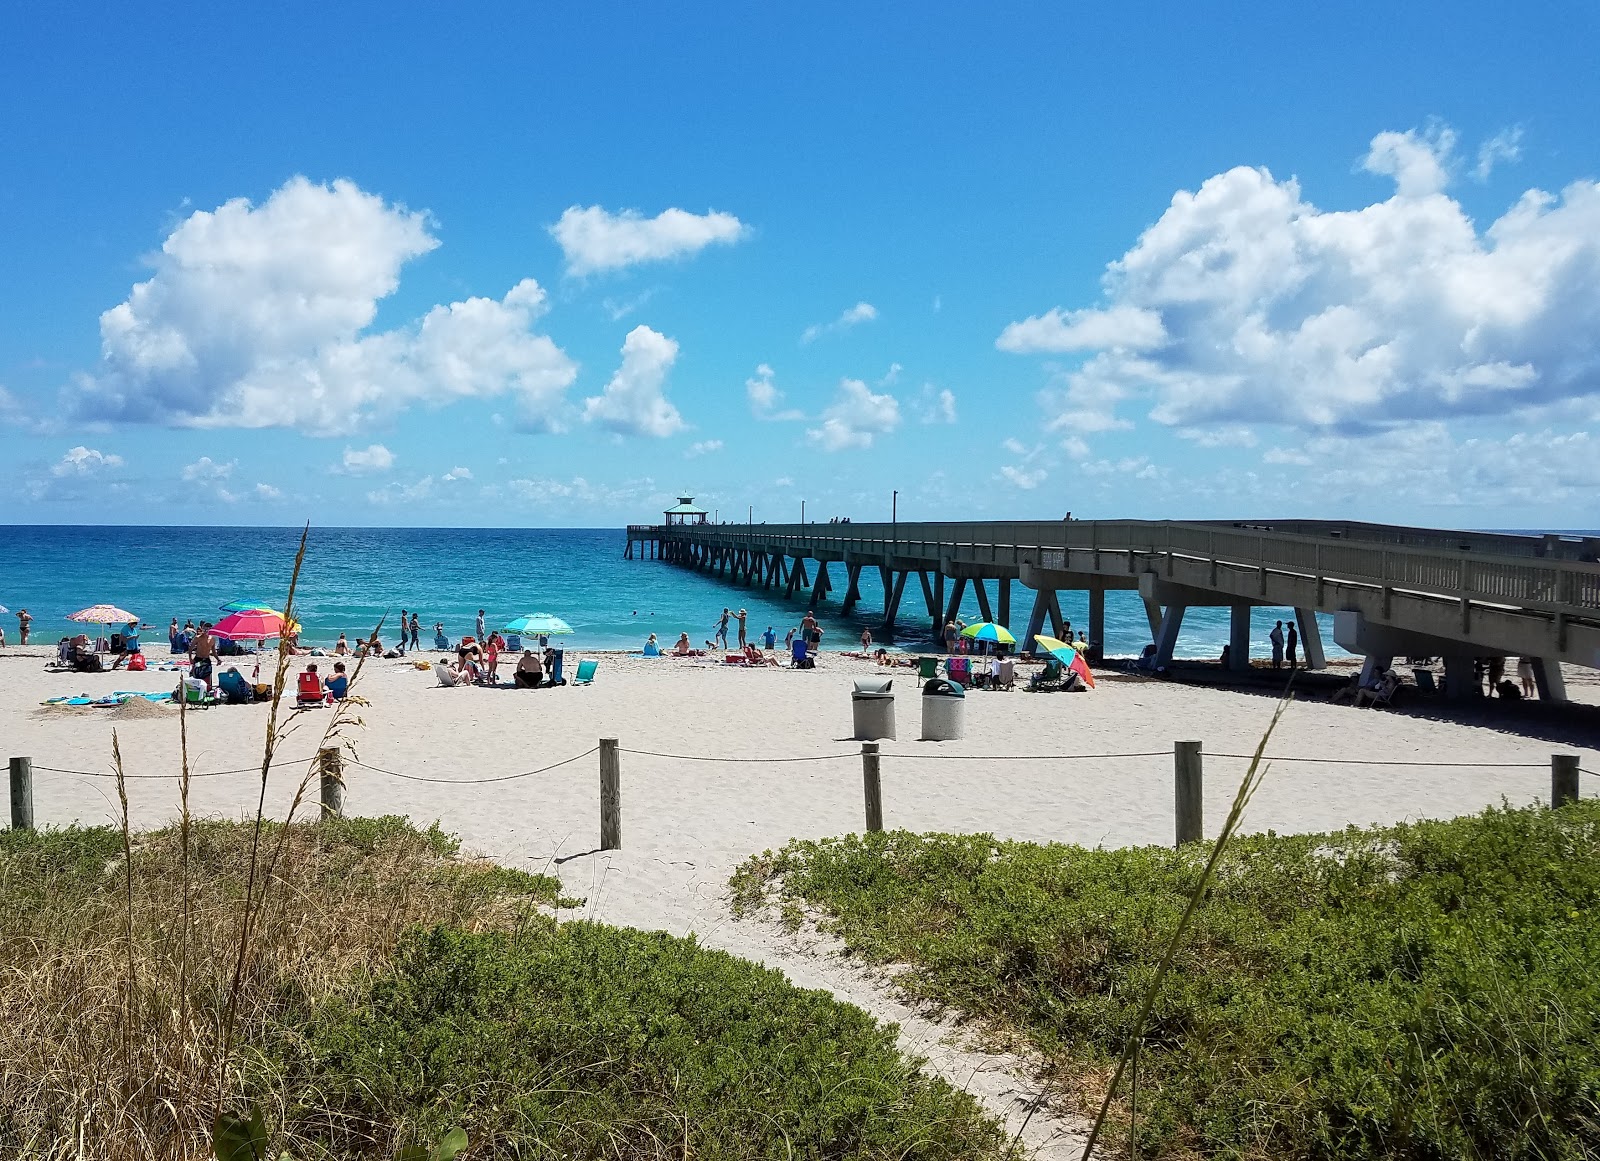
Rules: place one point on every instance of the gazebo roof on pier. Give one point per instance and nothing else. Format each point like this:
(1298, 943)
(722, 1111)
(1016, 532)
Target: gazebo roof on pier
(685, 507)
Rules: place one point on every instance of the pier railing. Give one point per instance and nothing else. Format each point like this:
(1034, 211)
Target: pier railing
(1553, 585)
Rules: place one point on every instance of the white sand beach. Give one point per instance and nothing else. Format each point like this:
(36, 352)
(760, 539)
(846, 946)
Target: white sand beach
(687, 823)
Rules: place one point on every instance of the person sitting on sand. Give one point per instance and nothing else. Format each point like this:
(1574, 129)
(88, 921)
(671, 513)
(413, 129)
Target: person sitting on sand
(683, 648)
(202, 654)
(339, 683)
(341, 647)
(440, 641)
(651, 648)
(448, 675)
(529, 673)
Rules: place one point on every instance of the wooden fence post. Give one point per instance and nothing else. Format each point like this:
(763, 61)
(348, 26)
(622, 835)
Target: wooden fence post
(610, 796)
(871, 784)
(331, 768)
(1188, 801)
(22, 793)
(1563, 779)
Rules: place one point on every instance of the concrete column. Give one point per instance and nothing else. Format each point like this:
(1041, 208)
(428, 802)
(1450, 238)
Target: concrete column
(1058, 623)
(1152, 613)
(938, 609)
(1036, 619)
(1311, 639)
(1547, 677)
(1239, 637)
(1167, 634)
(1459, 679)
(957, 591)
(1097, 617)
(1005, 601)
(980, 589)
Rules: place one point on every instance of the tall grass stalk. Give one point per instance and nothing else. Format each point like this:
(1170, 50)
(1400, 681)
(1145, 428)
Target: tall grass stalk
(1230, 826)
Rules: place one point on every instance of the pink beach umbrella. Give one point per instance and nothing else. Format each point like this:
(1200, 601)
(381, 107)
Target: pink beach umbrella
(102, 615)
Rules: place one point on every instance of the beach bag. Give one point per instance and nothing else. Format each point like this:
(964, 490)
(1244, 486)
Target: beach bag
(136, 663)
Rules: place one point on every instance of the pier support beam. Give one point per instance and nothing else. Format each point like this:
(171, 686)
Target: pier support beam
(1167, 634)
(1097, 617)
(1041, 607)
(1152, 613)
(891, 601)
(957, 591)
(1239, 638)
(1460, 679)
(852, 590)
(1058, 623)
(980, 589)
(1311, 639)
(1547, 677)
(1005, 601)
(821, 585)
(937, 607)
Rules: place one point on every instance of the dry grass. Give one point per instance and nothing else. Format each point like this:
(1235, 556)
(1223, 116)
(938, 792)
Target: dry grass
(138, 973)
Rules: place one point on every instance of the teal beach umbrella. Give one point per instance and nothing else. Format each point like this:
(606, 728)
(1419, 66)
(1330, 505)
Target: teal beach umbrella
(538, 625)
(989, 631)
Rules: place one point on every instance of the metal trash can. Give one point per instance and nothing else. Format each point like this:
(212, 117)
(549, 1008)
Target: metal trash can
(944, 711)
(872, 708)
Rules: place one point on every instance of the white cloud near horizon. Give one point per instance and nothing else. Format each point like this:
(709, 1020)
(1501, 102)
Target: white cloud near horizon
(1246, 304)
(259, 316)
(855, 418)
(207, 470)
(861, 312)
(633, 402)
(592, 239)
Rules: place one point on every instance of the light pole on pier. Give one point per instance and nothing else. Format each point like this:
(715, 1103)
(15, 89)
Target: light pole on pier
(751, 517)
(802, 511)
(894, 517)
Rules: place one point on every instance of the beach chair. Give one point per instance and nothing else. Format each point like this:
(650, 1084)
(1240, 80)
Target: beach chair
(308, 691)
(1425, 680)
(1047, 678)
(1007, 677)
(798, 656)
(959, 670)
(513, 643)
(927, 668)
(585, 674)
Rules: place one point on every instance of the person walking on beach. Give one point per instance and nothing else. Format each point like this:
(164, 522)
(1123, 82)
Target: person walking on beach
(1293, 644)
(416, 632)
(722, 629)
(950, 636)
(24, 619)
(1525, 675)
(1276, 637)
(866, 640)
(740, 616)
(402, 646)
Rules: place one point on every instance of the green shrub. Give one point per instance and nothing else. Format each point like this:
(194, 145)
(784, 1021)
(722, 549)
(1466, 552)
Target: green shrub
(1420, 991)
(578, 1040)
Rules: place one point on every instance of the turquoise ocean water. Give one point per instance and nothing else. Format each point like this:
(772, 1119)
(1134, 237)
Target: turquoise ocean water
(352, 576)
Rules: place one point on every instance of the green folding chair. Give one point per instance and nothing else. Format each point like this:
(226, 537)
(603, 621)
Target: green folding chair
(585, 674)
(927, 667)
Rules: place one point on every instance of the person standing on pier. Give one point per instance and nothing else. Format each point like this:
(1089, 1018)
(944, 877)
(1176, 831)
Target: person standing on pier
(1276, 637)
(1294, 643)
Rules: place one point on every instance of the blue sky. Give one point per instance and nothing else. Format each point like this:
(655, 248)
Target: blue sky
(387, 264)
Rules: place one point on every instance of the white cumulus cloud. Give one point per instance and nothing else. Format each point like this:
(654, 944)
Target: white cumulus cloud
(366, 461)
(458, 474)
(860, 313)
(259, 316)
(632, 402)
(855, 417)
(593, 239)
(766, 401)
(84, 461)
(1275, 311)
(936, 404)
(1079, 330)
(1505, 145)
(703, 447)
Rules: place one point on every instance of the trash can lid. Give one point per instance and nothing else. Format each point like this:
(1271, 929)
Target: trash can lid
(879, 685)
(940, 687)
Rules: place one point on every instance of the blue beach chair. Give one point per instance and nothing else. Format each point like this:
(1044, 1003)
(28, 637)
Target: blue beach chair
(585, 674)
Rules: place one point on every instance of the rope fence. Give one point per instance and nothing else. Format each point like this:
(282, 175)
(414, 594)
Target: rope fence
(1187, 756)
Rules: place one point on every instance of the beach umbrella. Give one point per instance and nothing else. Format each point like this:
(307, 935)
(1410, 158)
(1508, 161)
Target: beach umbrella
(252, 625)
(1068, 656)
(989, 631)
(102, 615)
(245, 606)
(538, 625)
